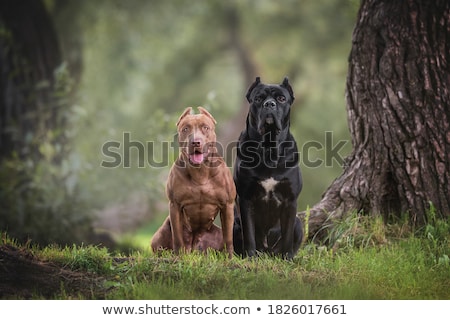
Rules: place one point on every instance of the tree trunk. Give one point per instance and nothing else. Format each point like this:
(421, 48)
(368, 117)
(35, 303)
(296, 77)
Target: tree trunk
(29, 55)
(398, 107)
(234, 126)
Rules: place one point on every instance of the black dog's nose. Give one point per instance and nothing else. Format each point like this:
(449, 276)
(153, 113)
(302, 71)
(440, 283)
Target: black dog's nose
(270, 103)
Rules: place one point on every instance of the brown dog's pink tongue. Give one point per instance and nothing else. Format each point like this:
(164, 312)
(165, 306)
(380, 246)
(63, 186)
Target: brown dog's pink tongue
(196, 158)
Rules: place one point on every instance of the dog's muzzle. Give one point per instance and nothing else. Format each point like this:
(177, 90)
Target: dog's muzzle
(196, 152)
(269, 121)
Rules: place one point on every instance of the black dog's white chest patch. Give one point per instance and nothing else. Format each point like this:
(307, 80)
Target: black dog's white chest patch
(269, 186)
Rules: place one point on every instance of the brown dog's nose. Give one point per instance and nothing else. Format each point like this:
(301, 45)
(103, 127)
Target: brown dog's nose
(196, 142)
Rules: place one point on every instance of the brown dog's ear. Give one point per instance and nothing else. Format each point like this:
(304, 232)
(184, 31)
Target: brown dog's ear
(249, 92)
(286, 85)
(184, 114)
(206, 113)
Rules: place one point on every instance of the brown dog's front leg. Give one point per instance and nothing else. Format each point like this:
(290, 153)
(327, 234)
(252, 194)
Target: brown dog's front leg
(176, 225)
(227, 220)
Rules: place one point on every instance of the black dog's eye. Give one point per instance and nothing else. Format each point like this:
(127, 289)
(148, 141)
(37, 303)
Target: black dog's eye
(257, 100)
(281, 99)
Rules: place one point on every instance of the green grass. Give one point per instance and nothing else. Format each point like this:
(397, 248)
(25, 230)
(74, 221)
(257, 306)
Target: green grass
(363, 259)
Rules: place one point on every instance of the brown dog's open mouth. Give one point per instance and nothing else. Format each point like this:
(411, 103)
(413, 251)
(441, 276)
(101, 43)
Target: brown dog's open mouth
(197, 157)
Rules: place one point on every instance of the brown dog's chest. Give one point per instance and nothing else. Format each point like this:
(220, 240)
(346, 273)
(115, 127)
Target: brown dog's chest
(199, 204)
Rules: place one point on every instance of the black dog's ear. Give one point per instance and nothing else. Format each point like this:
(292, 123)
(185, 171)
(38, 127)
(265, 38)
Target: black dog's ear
(257, 81)
(286, 85)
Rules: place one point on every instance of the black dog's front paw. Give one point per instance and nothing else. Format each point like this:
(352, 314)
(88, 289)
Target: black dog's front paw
(288, 256)
(250, 253)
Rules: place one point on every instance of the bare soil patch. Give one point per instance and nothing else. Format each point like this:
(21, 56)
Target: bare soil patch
(24, 276)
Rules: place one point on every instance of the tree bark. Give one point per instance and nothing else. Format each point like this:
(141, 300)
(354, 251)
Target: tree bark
(29, 55)
(398, 108)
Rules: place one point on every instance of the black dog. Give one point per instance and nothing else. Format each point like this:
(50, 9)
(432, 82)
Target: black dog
(267, 175)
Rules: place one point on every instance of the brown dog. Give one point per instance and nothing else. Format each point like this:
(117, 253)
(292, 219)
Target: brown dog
(199, 187)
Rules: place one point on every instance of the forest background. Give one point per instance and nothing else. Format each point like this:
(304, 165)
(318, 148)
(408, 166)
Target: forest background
(132, 68)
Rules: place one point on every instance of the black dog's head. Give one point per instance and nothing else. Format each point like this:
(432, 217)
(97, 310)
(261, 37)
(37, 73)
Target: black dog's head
(270, 106)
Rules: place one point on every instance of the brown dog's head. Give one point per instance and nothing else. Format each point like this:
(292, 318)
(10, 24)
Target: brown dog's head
(196, 135)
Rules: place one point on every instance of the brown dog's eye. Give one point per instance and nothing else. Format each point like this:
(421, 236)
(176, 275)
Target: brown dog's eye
(281, 99)
(206, 128)
(185, 129)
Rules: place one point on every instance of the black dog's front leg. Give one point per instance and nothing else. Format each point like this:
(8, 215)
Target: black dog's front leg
(248, 227)
(287, 222)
